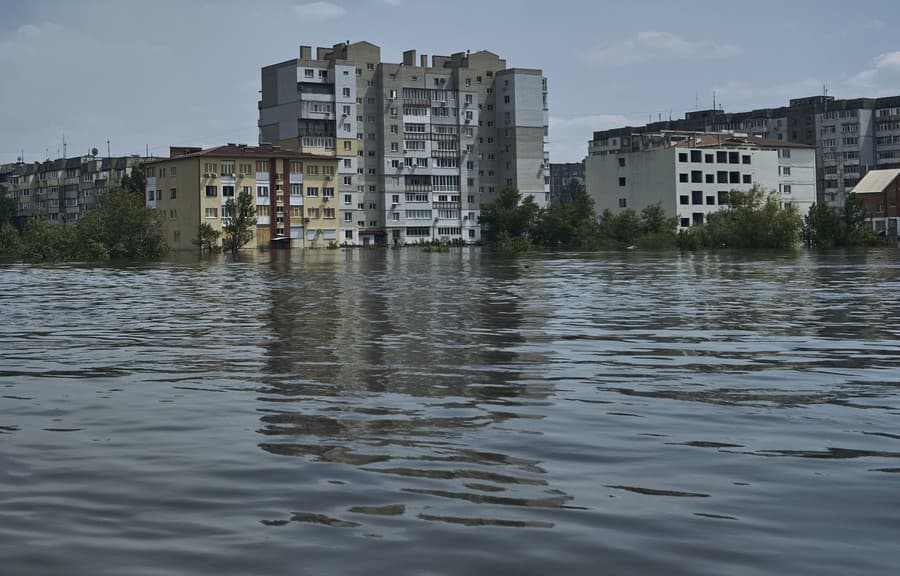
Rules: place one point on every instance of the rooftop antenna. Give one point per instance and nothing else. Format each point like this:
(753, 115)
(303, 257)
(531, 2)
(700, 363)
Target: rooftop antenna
(64, 146)
(714, 101)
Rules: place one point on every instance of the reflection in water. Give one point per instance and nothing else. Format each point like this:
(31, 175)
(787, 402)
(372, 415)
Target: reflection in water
(391, 376)
(454, 412)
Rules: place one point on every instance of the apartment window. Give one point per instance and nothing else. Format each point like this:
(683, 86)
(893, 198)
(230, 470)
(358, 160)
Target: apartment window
(683, 177)
(296, 190)
(734, 157)
(710, 200)
(262, 191)
(785, 170)
(785, 153)
(734, 177)
(682, 156)
(623, 202)
(621, 181)
(228, 191)
(710, 178)
(709, 158)
(346, 92)
(210, 191)
(621, 162)
(697, 218)
(745, 159)
(212, 212)
(348, 180)
(312, 191)
(309, 73)
(327, 192)
(721, 157)
(683, 199)
(696, 176)
(696, 156)
(747, 179)
(696, 197)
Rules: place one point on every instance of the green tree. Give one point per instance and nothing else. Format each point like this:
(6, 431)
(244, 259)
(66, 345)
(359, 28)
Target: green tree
(46, 242)
(825, 227)
(571, 224)
(208, 238)
(656, 229)
(119, 225)
(8, 207)
(240, 223)
(509, 220)
(751, 219)
(135, 182)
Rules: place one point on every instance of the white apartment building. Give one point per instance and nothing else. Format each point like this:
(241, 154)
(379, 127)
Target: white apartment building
(690, 174)
(421, 144)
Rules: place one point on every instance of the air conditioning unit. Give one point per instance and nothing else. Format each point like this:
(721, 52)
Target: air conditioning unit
(306, 220)
(232, 174)
(328, 176)
(243, 174)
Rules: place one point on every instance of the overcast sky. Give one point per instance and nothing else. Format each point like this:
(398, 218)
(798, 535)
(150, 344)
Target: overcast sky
(182, 72)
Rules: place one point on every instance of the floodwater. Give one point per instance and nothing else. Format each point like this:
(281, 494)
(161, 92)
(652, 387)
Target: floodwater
(402, 412)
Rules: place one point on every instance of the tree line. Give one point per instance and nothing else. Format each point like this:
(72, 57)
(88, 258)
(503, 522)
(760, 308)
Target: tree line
(750, 219)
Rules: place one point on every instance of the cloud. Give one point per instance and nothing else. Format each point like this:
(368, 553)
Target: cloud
(648, 46)
(886, 66)
(319, 11)
(569, 135)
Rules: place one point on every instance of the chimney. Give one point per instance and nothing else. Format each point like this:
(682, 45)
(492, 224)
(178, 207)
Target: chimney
(306, 52)
(423, 60)
(409, 58)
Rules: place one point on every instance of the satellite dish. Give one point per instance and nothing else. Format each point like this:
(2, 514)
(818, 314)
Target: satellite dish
(94, 151)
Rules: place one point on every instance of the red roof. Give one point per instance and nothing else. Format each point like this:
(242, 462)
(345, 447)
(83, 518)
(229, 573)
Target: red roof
(249, 152)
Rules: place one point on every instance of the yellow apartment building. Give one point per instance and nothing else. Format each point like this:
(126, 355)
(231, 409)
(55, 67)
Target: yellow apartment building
(293, 193)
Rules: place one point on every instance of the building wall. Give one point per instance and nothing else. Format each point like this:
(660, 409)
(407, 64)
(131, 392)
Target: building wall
(649, 178)
(465, 156)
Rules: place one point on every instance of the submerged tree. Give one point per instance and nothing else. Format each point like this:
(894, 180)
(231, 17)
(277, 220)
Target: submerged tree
(826, 227)
(240, 223)
(208, 238)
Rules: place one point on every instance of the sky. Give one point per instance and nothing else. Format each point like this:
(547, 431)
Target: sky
(133, 76)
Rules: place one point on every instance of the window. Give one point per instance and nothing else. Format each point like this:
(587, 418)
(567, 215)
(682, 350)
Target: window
(697, 218)
(210, 191)
(785, 153)
(621, 181)
(721, 157)
(722, 198)
(710, 200)
(623, 202)
(785, 170)
(786, 189)
(745, 159)
(296, 190)
(212, 212)
(709, 158)
(734, 157)
(309, 73)
(696, 176)
(173, 193)
(682, 157)
(696, 156)
(685, 222)
(710, 178)
(747, 179)
(683, 199)
(696, 197)
(262, 191)
(621, 162)
(327, 192)
(734, 177)
(312, 191)
(227, 191)
(683, 177)
(346, 92)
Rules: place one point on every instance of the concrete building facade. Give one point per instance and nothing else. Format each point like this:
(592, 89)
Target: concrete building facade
(421, 144)
(690, 174)
(294, 194)
(62, 190)
(851, 136)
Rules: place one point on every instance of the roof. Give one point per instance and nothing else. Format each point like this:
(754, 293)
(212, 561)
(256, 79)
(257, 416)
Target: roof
(715, 140)
(248, 152)
(876, 181)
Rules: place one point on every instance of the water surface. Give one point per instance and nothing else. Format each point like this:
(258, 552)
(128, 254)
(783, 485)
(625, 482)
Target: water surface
(367, 412)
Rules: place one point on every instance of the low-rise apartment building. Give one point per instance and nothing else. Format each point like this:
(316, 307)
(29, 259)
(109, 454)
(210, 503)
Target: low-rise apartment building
(62, 190)
(294, 194)
(689, 174)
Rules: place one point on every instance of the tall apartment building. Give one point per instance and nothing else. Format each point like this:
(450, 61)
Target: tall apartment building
(61, 190)
(850, 136)
(420, 144)
(690, 173)
(294, 194)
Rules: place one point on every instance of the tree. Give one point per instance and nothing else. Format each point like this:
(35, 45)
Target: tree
(656, 229)
(119, 225)
(208, 238)
(136, 182)
(241, 220)
(8, 208)
(825, 227)
(509, 218)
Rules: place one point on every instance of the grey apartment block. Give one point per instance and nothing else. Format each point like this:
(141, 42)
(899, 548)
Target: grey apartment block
(850, 136)
(62, 190)
(422, 143)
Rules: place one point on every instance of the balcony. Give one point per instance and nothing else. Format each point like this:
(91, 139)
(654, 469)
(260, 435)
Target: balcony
(446, 206)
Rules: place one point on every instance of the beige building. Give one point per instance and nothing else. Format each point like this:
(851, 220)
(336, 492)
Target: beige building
(420, 144)
(293, 192)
